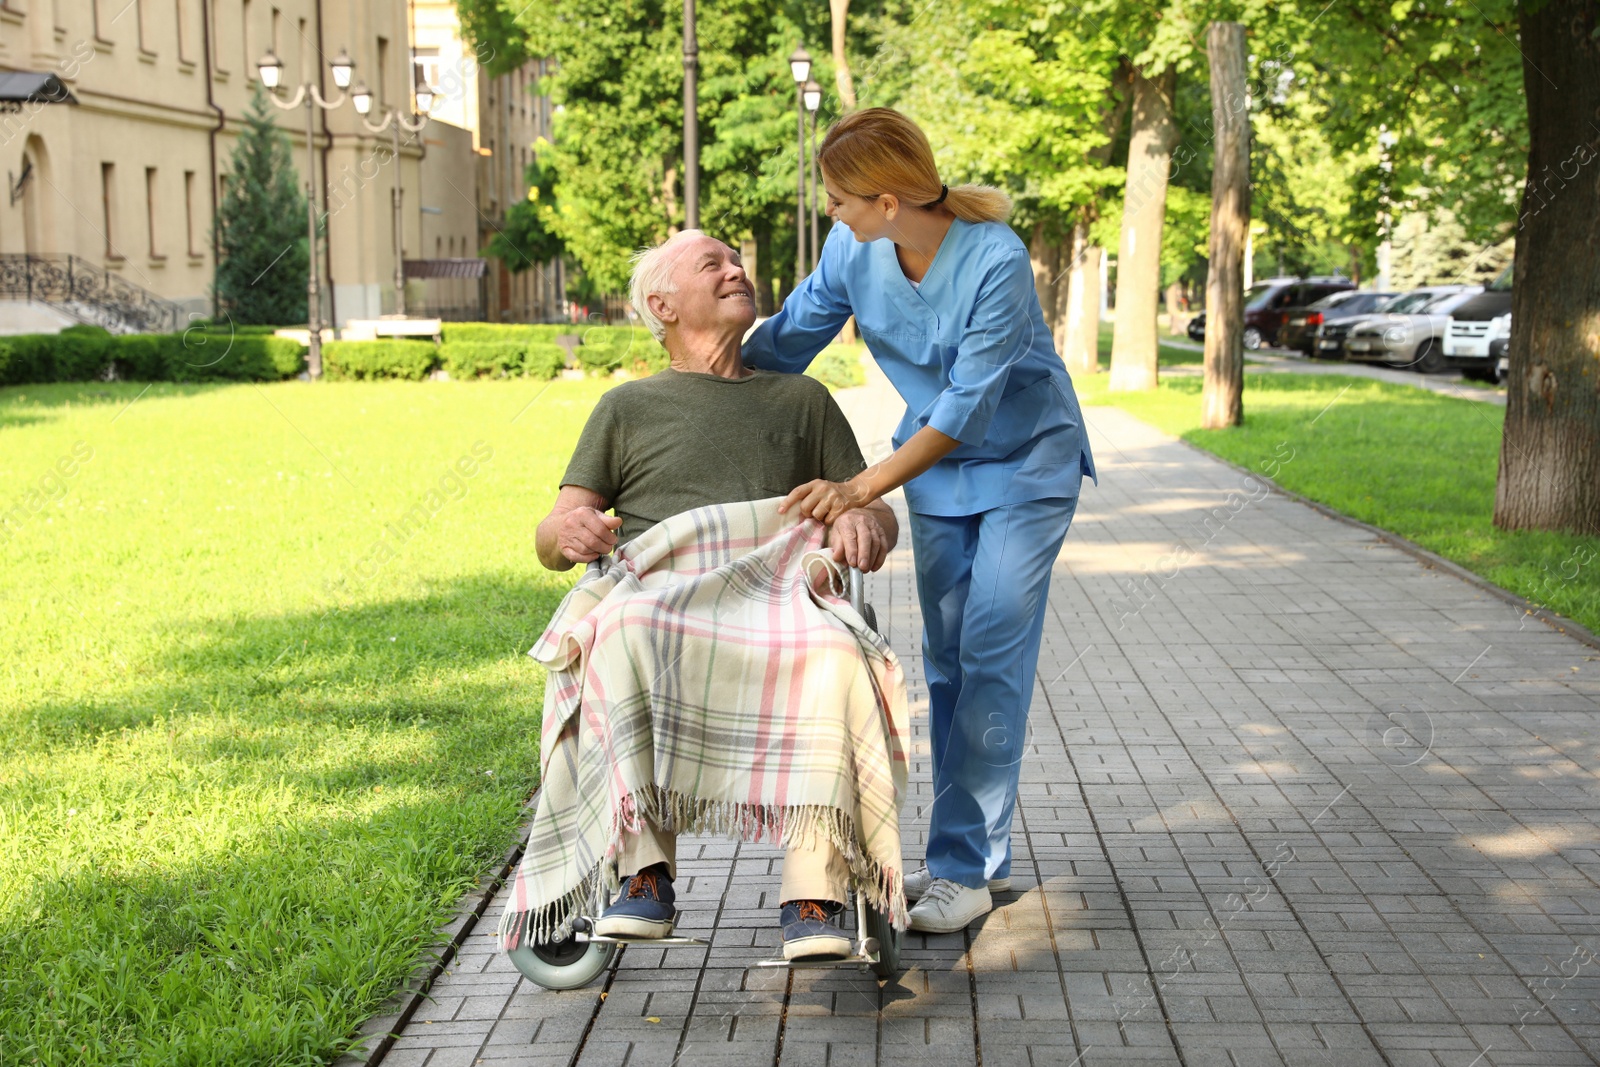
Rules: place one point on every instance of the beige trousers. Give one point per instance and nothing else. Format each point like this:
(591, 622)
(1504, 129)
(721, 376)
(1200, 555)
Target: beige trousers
(813, 870)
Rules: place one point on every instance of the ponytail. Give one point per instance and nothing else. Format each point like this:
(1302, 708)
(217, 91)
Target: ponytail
(878, 150)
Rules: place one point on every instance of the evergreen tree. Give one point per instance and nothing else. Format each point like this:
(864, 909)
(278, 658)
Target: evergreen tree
(262, 259)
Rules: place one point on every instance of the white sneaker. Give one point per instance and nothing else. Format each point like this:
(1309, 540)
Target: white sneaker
(917, 883)
(948, 906)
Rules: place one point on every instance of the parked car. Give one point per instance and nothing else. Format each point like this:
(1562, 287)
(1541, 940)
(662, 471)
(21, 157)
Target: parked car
(1265, 304)
(1410, 332)
(1474, 328)
(1303, 325)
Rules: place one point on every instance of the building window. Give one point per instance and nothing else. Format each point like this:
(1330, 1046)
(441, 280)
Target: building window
(217, 65)
(300, 44)
(244, 35)
(382, 88)
(277, 23)
(108, 202)
(188, 212)
(151, 219)
(185, 52)
(140, 10)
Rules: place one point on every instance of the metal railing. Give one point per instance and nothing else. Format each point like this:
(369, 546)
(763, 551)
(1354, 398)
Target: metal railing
(86, 292)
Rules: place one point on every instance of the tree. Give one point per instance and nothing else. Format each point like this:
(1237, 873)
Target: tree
(1550, 453)
(262, 260)
(1155, 134)
(1222, 398)
(527, 238)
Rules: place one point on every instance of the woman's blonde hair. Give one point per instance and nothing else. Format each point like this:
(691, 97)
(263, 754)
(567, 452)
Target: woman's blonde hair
(878, 150)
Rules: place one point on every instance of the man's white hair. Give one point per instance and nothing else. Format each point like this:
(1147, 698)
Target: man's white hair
(652, 273)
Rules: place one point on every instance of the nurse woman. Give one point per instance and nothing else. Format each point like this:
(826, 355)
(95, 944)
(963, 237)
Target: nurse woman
(991, 452)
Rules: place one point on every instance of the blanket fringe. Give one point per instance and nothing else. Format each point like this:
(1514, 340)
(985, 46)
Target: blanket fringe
(683, 813)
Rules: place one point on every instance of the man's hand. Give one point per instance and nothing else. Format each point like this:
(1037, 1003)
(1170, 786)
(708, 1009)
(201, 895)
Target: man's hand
(859, 540)
(586, 534)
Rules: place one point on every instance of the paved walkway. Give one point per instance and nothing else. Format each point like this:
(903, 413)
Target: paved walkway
(1292, 797)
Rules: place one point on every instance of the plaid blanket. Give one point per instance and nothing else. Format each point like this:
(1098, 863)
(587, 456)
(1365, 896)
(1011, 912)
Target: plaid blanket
(701, 681)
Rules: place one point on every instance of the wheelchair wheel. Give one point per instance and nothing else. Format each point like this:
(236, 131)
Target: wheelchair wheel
(569, 964)
(876, 924)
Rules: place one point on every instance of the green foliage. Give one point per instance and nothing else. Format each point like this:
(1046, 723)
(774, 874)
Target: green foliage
(1432, 248)
(192, 356)
(241, 797)
(611, 182)
(543, 359)
(527, 238)
(839, 367)
(609, 348)
(502, 331)
(501, 359)
(410, 360)
(1009, 95)
(262, 261)
(222, 355)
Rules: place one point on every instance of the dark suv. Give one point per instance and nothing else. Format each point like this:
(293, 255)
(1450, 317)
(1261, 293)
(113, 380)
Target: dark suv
(1266, 306)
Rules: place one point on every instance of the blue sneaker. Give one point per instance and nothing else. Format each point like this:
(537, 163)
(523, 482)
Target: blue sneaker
(811, 930)
(644, 908)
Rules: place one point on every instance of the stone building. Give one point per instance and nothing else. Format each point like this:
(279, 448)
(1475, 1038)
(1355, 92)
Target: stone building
(119, 118)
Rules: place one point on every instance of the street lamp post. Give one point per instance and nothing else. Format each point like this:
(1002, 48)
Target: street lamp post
(392, 119)
(800, 67)
(271, 70)
(812, 93)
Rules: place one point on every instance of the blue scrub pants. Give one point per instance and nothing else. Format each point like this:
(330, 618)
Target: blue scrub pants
(983, 581)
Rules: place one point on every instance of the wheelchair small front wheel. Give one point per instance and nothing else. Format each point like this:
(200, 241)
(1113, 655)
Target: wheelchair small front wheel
(876, 924)
(569, 964)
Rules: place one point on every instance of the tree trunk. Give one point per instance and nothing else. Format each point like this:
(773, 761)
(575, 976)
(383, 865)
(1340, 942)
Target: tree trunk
(838, 10)
(1133, 346)
(1222, 396)
(1550, 451)
(763, 264)
(1174, 302)
(1079, 342)
(1045, 256)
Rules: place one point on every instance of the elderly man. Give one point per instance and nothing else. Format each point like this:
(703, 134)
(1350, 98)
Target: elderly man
(709, 430)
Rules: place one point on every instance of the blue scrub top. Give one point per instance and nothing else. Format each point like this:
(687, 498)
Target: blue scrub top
(969, 352)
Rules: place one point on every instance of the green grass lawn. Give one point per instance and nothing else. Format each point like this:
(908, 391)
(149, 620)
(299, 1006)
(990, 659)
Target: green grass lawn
(1410, 461)
(256, 741)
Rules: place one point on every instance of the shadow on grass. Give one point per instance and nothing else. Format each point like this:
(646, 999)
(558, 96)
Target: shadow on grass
(272, 951)
(383, 662)
(267, 830)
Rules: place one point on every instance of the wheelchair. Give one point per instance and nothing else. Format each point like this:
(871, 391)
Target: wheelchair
(584, 955)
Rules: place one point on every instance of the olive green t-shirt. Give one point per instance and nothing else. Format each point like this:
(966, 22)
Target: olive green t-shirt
(676, 441)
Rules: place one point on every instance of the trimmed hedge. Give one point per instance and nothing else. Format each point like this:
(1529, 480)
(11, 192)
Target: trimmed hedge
(609, 348)
(83, 353)
(347, 360)
(502, 331)
(544, 359)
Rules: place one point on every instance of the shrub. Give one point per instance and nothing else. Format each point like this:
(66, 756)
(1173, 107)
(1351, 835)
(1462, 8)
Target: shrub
(544, 359)
(141, 356)
(213, 355)
(501, 331)
(476, 359)
(413, 360)
(608, 348)
(838, 367)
